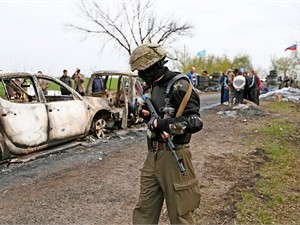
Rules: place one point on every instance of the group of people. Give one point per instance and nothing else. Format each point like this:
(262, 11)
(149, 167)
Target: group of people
(285, 81)
(78, 86)
(237, 86)
(78, 78)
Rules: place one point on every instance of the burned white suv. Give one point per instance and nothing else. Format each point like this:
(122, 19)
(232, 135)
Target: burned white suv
(32, 119)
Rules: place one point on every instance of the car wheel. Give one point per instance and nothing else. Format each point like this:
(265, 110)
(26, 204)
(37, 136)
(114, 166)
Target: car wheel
(99, 127)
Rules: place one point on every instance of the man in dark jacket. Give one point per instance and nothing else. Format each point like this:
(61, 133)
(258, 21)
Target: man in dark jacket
(67, 80)
(253, 87)
(160, 177)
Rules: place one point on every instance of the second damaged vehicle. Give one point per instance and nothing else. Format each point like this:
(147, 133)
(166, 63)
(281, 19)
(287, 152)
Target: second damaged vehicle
(32, 118)
(123, 90)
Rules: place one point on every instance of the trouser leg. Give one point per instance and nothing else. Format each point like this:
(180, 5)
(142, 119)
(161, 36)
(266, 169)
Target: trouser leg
(254, 96)
(225, 96)
(231, 96)
(148, 209)
(182, 193)
(236, 95)
(240, 96)
(222, 95)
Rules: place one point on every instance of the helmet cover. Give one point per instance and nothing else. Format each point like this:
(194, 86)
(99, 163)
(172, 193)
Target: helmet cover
(146, 55)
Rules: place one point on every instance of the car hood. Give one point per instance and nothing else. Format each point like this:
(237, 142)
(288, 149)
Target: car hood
(96, 102)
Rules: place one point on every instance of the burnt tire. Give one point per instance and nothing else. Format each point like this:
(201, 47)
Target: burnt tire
(98, 127)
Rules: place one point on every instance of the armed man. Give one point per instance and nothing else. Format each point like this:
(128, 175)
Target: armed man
(173, 116)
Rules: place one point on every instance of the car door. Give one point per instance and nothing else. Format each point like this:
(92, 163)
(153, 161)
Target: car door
(68, 115)
(23, 118)
(67, 119)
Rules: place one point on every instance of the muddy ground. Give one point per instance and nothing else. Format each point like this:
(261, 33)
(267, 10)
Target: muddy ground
(100, 184)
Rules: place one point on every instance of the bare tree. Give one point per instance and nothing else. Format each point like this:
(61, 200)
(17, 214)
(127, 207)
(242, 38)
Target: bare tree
(283, 64)
(133, 24)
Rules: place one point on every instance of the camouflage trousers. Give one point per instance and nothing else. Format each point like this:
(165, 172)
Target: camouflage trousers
(162, 180)
(231, 97)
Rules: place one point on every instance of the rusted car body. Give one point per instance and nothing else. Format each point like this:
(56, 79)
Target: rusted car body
(33, 119)
(123, 91)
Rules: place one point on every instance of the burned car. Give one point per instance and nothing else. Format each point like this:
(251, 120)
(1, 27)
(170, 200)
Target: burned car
(123, 90)
(32, 118)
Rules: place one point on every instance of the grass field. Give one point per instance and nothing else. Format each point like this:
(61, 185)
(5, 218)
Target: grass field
(275, 198)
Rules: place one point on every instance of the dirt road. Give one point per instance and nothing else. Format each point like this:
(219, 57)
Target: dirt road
(100, 184)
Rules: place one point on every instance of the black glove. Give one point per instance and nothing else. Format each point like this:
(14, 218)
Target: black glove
(139, 112)
(151, 125)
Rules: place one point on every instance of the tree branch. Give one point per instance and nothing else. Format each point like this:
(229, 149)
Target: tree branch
(133, 24)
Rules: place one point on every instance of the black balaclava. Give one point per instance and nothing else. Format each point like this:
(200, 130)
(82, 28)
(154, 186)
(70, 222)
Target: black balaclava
(154, 72)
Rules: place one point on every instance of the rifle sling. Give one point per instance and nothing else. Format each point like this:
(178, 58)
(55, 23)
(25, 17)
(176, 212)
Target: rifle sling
(184, 100)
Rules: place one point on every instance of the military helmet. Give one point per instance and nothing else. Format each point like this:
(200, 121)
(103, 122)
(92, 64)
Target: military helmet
(146, 55)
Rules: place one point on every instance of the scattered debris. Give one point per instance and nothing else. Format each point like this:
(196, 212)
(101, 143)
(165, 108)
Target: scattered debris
(228, 113)
(247, 110)
(284, 94)
(91, 141)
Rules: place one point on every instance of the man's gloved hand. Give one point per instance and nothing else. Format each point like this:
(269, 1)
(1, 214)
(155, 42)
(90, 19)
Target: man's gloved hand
(152, 124)
(143, 112)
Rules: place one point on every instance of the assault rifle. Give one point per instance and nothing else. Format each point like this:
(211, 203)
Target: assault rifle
(169, 139)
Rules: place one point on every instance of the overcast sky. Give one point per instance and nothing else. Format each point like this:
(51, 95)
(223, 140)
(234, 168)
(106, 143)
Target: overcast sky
(33, 35)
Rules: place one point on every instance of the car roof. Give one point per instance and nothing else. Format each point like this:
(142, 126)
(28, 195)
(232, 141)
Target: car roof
(114, 72)
(14, 74)
(20, 74)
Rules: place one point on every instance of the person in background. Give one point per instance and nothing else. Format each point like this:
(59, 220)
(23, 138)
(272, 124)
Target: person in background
(280, 82)
(204, 73)
(224, 89)
(258, 87)
(263, 88)
(192, 76)
(286, 81)
(44, 84)
(231, 90)
(246, 88)
(98, 85)
(239, 83)
(67, 80)
(253, 87)
(78, 81)
(13, 92)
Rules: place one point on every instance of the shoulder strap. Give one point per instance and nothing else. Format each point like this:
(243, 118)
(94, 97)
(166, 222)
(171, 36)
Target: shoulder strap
(186, 96)
(184, 100)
